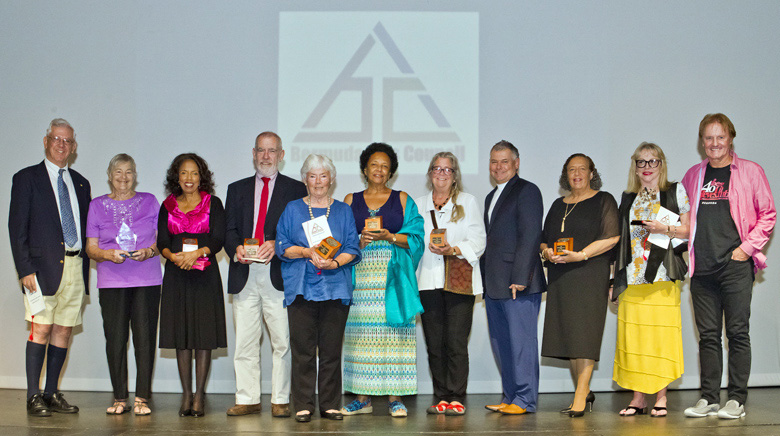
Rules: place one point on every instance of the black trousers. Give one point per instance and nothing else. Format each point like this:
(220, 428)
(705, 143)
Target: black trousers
(124, 309)
(316, 330)
(446, 325)
(728, 293)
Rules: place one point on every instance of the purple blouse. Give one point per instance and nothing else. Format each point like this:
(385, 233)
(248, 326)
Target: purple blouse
(137, 216)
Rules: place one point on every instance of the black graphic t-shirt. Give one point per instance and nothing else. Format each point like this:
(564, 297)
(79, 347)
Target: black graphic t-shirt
(716, 234)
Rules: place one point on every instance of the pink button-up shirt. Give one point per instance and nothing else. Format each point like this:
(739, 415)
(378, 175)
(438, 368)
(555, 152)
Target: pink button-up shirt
(750, 202)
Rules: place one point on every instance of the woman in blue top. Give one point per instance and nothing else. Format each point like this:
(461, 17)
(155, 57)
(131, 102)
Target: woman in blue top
(317, 291)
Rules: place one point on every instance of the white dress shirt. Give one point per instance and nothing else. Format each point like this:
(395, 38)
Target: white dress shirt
(499, 190)
(468, 234)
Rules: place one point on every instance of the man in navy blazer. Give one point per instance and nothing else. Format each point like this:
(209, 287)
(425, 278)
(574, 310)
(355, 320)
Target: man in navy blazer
(257, 289)
(47, 226)
(513, 279)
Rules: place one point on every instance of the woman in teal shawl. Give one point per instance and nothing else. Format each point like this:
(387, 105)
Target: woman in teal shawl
(380, 345)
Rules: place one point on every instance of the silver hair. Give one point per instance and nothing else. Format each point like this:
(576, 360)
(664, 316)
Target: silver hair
(60, 122)
(318, 162)
(116, 160)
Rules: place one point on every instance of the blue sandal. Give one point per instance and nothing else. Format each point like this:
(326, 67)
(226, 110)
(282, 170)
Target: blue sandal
(357, 408)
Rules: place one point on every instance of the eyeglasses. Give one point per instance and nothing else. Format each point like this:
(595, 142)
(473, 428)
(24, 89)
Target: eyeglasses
(653, 163)
(270, 151)
(67, 141)
(440, 170)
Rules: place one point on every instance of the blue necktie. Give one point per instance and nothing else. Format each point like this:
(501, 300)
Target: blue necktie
(66, 213)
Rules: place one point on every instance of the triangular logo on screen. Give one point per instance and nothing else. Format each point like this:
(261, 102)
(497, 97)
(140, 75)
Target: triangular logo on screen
(348, 82)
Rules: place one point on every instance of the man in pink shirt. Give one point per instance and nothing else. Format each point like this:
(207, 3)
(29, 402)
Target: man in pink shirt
(732, 217)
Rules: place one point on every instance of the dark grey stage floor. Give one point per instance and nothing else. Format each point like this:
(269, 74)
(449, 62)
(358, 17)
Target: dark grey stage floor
(763, 418)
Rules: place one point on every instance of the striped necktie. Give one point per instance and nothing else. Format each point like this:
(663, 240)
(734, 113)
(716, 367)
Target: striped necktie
(66, 213)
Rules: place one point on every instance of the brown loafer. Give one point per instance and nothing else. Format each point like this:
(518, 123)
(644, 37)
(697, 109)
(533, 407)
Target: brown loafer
(496, 407)
(280, 410)
(512, 409)
(244, 409)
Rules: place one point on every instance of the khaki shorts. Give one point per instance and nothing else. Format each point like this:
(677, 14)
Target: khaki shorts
(64, 307)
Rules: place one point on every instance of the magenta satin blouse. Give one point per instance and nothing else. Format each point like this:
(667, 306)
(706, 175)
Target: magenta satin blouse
(194, 221)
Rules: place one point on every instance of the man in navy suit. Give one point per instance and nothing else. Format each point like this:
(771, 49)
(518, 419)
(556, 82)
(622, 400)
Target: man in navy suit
(253, 207)
(46, 224)
(513, 279)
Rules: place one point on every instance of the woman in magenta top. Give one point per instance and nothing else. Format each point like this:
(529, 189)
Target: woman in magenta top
(190, 232)
(121, 238)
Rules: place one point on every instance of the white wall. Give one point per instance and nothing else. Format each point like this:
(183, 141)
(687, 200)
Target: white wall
(154, 79)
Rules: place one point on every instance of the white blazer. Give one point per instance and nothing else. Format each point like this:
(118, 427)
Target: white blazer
(468, 234)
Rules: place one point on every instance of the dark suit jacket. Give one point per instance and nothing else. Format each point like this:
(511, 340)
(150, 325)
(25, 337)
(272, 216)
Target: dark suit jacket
(240, 210)
(35, 230)
(513, 238)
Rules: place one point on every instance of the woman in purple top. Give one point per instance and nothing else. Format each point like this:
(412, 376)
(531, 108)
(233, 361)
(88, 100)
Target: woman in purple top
(121, 238)
(190, 233)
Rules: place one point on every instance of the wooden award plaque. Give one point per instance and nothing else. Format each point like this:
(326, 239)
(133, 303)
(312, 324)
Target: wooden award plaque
(328, 247)
(374, 223)
(251, 248)
(439, 237)
(563, 244)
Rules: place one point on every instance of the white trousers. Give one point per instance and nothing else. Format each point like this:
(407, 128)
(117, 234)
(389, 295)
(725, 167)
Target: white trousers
(259, 301)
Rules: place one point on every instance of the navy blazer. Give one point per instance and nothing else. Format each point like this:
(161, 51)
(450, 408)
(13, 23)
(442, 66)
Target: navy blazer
(35, 230)
(240, 211)
(514, 235)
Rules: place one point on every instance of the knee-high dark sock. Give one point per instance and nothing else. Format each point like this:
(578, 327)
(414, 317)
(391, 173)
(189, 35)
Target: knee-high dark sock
(34, 356)
(54, 364)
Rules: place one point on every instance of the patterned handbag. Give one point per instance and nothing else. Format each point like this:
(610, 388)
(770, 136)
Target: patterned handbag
(457, 272)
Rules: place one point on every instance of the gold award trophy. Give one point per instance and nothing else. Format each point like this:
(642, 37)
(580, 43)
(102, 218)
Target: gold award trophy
(439, 237)
(563, 244)
(374, 223)
(328, 247)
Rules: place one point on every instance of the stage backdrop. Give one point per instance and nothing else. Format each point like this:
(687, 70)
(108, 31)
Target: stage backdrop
(154, 79)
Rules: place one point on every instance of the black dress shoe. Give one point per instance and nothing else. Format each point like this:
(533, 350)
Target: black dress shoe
(335, 416)
(36, 406)
(306, 417)
(58, 404)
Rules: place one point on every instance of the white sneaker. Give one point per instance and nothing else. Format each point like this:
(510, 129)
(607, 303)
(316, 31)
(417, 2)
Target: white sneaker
(702, 409)
(732, 410)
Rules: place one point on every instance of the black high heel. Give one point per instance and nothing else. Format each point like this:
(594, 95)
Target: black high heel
(186, 412)
(589, 400)
(202, 411)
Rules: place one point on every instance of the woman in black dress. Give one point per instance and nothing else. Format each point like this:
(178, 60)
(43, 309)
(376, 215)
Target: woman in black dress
(579, 277)
(190, 232)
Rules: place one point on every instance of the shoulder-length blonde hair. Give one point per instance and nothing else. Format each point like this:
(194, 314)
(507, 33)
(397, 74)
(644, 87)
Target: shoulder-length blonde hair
(457, 185)
(634, 184)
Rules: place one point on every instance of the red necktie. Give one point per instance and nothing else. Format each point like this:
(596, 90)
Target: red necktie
(259, 229)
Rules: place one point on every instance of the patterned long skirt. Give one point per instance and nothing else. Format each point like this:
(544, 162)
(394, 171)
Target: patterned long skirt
(378, 359)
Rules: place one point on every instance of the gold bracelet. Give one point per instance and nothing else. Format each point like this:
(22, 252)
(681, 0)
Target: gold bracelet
(584, 254)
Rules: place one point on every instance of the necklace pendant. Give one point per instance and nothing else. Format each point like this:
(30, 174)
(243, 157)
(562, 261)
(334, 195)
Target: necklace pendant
(563, 223)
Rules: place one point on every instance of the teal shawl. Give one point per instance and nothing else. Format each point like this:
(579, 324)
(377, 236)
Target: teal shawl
(402, 298)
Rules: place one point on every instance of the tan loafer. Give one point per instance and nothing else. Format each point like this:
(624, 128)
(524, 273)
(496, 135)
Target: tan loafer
(280, 410)
(513, 409)
(244, 409)
(496, 407)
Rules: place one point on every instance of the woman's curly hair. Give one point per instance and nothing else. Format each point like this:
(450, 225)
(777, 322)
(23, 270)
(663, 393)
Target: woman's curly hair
(172, 176)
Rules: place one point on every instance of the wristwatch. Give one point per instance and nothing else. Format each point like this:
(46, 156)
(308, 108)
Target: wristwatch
(394, 240)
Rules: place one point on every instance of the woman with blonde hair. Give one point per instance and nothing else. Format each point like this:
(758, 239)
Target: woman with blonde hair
(649, 352)
(448, 305)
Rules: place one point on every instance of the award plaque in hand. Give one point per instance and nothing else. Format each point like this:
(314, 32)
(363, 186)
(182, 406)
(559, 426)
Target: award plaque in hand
(374, 223)
(252, 250)
(563, 244)
(439, 237)
(328, 247)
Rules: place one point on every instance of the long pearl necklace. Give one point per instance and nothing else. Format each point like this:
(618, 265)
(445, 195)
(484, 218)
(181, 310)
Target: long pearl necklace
(311, 214)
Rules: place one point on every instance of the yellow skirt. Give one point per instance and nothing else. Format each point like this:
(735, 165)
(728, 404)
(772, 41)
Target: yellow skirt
(649, 350)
